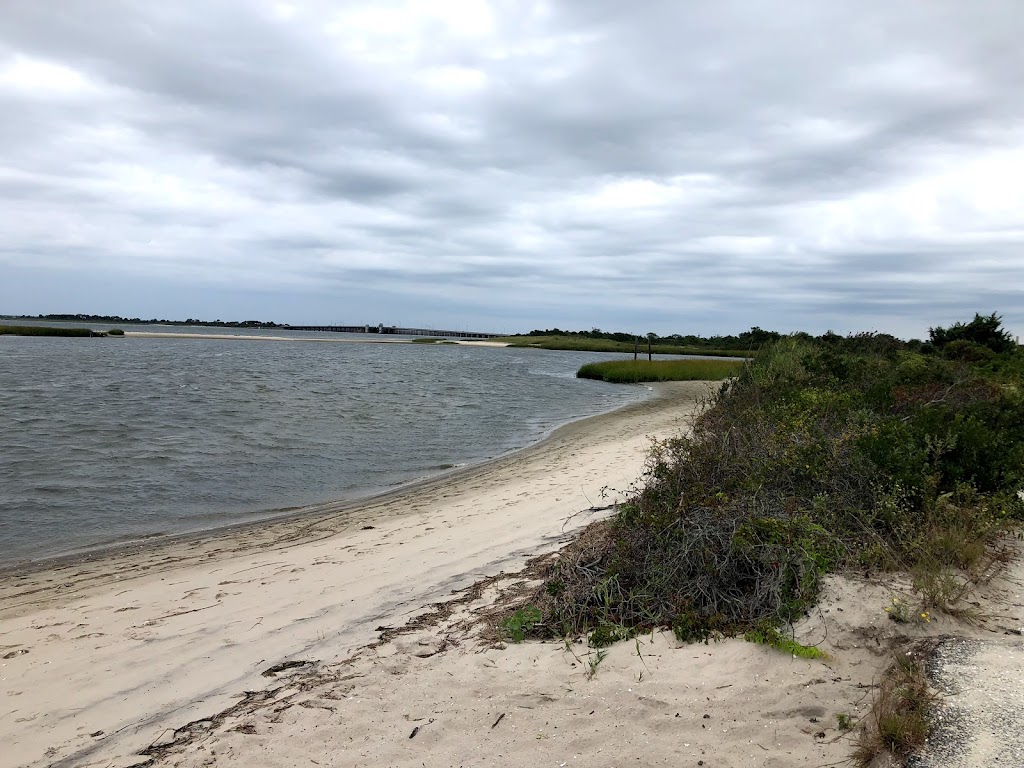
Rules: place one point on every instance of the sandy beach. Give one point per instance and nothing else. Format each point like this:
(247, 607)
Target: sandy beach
(157, 635)
(356, 636)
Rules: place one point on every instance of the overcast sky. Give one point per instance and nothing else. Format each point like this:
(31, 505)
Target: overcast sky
(668, 166)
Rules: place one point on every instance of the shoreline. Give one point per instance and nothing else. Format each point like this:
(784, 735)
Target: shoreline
(286, 515)
(247, 337)
(165, 632)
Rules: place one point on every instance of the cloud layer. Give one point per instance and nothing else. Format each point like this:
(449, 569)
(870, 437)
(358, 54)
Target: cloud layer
(677, 167)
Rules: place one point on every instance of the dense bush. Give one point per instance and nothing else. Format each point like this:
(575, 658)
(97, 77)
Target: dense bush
(982, 331)
(859, 452)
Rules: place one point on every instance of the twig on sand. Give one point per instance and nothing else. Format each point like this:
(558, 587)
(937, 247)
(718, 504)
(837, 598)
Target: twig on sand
(418, 727)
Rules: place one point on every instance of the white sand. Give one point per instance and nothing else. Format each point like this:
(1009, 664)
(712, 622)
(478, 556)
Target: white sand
(129, 650)
(135, 644)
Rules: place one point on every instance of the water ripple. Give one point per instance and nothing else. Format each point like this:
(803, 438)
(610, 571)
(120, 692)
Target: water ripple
(111, 439)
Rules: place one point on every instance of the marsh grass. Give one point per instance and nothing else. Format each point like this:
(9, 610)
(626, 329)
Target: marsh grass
(44, 330)
(583, 344)
(633, 371)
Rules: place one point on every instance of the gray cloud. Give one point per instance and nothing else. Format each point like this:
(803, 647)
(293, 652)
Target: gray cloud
(671, 167)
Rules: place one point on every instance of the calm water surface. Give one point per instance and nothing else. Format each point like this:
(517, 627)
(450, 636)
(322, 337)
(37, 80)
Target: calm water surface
(107, 440)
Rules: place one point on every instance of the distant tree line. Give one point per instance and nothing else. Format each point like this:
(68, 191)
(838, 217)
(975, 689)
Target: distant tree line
(115, 319)
(751, 339)
(980, 338)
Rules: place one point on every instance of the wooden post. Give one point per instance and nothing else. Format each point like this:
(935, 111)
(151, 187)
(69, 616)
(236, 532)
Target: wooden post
(649, 355)
(636, 346)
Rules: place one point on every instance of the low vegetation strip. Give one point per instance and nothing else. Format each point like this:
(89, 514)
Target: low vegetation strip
(864, 453)
(585, 344)
(42, 330)
(633, 371)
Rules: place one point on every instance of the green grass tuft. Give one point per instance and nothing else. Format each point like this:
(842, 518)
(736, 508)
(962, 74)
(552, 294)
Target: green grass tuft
(766, 633)
(633, 371)
(901, 717)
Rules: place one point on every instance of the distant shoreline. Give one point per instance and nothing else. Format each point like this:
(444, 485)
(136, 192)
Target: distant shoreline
(242, 337)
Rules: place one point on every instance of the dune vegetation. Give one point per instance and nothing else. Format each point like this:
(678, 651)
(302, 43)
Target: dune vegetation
(863, 452)
(633, 371)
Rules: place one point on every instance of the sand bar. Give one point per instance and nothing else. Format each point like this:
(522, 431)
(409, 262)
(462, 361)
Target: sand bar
(108, 654)
(246, 337)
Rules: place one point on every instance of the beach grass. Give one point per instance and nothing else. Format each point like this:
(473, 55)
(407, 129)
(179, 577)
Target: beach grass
(633, 371)
(44, 330)
(584, 344)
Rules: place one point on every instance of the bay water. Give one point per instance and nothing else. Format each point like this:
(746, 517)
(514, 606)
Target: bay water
(109, 440)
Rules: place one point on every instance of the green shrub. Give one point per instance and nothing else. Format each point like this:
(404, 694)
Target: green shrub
(519, 623)
(986, 331)
(857, 452)
(633, 371)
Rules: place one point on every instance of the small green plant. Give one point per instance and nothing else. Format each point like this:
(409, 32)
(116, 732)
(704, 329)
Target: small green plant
(519, 623)
(606, 635)
(765, 634)
(940, 589)
(844, 721)
(596, 658)
(899, 611)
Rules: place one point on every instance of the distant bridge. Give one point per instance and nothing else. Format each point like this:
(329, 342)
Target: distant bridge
(393, 330)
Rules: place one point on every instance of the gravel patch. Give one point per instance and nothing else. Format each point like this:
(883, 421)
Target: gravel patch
(981, 719)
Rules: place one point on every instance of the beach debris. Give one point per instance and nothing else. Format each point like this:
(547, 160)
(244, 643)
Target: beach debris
(370, 528)
(19, 652)
(418, 727)
(284, 666)
(500, 718)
